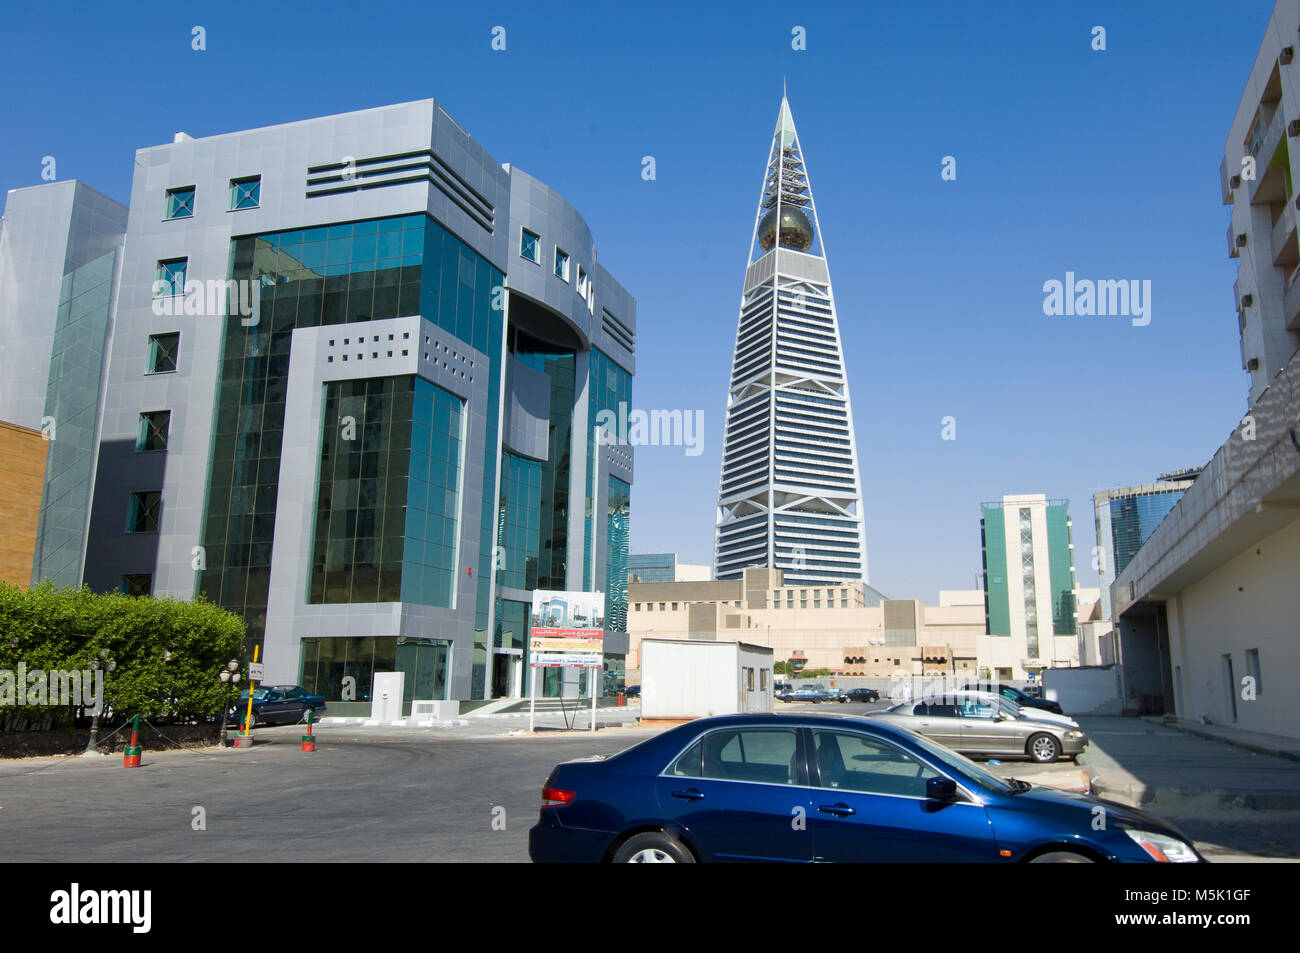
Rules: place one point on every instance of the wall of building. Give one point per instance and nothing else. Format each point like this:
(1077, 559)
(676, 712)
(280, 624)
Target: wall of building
(1249, 602)
(1084, 691)
(22, 479)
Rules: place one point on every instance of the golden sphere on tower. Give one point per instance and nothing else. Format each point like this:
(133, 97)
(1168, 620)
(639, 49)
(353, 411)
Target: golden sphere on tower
(796, 229)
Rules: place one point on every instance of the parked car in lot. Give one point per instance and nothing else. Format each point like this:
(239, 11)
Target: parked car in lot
(863, 695)
(1013, 694)
(808, 693)
(983, 724)
(725, 789)
(632, 691)
(277, 705)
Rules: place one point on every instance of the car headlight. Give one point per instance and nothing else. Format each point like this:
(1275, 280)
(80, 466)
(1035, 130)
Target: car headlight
(1074, 734)
(1163, 848)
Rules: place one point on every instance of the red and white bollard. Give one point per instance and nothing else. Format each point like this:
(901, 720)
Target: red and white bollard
(308, 742)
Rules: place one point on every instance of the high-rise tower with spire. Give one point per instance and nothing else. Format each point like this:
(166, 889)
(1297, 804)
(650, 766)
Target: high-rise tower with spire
(789, 496)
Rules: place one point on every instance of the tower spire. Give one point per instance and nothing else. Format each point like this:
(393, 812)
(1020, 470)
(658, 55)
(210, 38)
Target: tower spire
(789, 496)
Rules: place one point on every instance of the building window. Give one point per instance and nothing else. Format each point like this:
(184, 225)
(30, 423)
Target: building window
(530, 246)
(762, 679)
(136, 584)
(582, 282)
(162, 352)
(1253, 670)
(661, 607)
(142, 513)
(245, 193)
(844, 603)
(674, 607)
(561, 264)
(153, 431)
(180, 203)
(170, 278)
(749, 679)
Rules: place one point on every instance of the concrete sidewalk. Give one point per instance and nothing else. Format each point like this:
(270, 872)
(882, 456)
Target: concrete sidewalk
(1145, 763)
(1256, 741)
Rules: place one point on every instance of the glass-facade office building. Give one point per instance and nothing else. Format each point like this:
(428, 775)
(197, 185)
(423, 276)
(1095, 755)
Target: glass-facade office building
(1027, 548)
(381, 439)
(1126, 518)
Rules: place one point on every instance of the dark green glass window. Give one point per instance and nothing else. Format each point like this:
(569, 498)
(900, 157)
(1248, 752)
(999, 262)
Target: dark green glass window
(162, 352)
(143, 512)
(246, 193)
(617, 535)
(433, 497)
(180, 202)
(530, 246)
(153, 431)
(519, 522)
(170, 278)
(136, 584)
(361, 497)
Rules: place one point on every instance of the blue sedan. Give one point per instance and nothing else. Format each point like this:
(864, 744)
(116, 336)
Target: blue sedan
(824, 788)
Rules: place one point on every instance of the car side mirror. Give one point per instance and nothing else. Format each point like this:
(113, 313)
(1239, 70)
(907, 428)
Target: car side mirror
(941, 789)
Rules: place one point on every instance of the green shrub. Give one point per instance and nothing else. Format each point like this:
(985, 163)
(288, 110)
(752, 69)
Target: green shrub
(165, 654)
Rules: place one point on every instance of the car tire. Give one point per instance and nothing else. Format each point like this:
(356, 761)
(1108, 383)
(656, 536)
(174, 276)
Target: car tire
(652, 848)
(1062, 857)
(1043, 748)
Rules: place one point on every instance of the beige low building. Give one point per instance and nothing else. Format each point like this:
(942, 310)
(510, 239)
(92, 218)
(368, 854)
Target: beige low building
(22, 481)
(848, 628)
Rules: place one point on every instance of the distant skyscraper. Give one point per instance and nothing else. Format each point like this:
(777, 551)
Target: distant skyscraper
(789, 496)
(1127, 517)
(1029, 582)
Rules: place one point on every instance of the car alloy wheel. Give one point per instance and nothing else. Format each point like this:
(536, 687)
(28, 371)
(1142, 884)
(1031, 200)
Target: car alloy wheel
(652, 847)
(650, 855)
(1044, 748)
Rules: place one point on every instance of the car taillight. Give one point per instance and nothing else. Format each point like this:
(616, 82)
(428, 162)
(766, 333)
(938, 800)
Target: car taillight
(554, 797)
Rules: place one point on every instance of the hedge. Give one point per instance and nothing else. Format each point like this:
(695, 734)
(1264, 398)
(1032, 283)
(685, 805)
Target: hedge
(165, 654)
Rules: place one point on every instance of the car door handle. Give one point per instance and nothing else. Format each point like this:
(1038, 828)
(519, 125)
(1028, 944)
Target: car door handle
(689, 794)
(839, 810)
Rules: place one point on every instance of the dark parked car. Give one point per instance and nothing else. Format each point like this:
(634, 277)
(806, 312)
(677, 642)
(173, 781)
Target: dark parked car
(863, 695)
(277, 705)
(808, 693)
(726, 788)
(632, 691)
(1011, 693)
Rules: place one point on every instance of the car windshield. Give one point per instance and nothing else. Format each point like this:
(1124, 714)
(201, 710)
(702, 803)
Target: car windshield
(259, 694)
(977, 772)
(1010, 707)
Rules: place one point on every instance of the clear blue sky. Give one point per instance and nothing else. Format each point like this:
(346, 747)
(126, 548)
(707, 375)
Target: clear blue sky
(1100, 163)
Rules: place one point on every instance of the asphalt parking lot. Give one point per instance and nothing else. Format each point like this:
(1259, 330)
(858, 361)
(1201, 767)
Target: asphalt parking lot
(377, 798)
(468, 793)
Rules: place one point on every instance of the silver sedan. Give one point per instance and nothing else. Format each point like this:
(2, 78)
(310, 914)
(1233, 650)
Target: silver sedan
(987, 725)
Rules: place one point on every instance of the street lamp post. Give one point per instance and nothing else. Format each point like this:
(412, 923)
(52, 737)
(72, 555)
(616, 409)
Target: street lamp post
(230, 677)
(108, 666)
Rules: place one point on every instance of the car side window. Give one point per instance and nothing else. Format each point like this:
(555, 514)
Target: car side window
(853, 762)
(762, 755)
(274, 696)
(294, 693)
(687, 764)
(974, 708)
